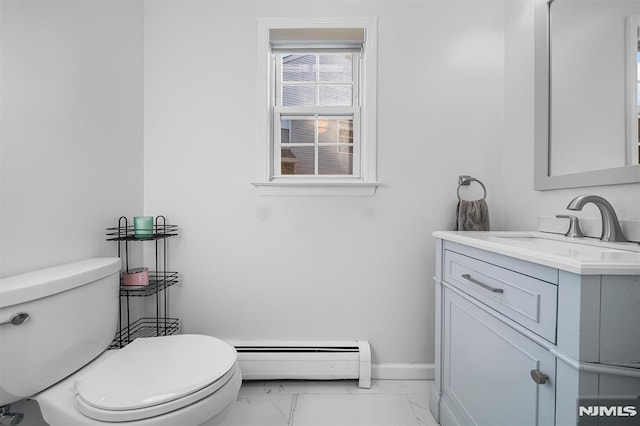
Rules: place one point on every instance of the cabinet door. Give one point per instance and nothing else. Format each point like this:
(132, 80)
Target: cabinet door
(487, 369)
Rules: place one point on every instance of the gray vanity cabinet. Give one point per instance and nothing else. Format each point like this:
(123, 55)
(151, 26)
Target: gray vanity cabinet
(518, 342)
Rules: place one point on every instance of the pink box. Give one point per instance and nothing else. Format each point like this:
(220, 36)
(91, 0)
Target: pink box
(137, 276)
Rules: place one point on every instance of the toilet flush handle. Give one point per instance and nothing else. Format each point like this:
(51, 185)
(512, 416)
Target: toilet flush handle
(17, 319)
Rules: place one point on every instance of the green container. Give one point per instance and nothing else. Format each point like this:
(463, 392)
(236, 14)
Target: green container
(143, 226)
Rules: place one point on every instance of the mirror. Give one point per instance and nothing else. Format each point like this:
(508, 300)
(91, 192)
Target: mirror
(587, 93)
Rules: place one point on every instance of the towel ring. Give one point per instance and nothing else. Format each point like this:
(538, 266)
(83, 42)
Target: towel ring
(466, 180)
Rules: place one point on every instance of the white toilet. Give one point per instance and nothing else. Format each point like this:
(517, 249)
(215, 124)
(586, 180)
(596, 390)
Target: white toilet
(56, 324)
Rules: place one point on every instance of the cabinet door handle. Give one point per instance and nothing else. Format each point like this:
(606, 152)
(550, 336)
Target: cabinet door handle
(539, 377)
(483, 285)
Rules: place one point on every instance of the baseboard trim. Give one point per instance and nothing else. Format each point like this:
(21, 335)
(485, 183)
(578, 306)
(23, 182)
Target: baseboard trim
(393, 371)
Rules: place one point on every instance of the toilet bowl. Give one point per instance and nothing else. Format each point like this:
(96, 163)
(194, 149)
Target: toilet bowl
(173, 380)
(58, 356)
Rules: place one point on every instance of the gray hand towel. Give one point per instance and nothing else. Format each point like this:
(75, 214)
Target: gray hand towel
(472, 215)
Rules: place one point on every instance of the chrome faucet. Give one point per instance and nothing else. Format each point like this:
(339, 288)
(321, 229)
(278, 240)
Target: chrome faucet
(611, 230)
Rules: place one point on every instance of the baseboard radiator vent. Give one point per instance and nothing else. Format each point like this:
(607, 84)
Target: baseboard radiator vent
(310, 360)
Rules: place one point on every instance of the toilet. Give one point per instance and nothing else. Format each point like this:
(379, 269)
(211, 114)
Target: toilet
(56, 325)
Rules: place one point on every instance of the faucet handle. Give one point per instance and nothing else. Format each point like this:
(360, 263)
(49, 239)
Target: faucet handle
(574, 226)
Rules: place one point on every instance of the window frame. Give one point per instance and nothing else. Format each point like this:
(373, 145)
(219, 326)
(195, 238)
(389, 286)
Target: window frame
(269, 180)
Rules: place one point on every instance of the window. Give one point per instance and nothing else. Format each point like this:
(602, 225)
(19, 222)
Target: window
(317, 107)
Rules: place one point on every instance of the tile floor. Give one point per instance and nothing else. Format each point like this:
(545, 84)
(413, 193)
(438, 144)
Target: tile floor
(314, 403)
(332, 403)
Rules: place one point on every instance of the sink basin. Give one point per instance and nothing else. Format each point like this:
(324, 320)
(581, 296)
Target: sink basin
(580, 249)
(578, 255)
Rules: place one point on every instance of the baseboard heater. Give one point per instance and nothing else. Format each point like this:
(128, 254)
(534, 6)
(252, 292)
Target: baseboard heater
(311, 360)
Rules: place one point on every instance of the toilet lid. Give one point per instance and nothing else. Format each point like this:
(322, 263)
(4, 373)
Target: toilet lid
(155, 370)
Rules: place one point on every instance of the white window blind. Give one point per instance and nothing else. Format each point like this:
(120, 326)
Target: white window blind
(287, 39)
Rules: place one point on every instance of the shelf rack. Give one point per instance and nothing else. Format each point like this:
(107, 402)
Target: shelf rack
(159, 281)
(145, 327)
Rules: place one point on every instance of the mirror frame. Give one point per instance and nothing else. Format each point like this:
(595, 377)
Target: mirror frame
(543, 180)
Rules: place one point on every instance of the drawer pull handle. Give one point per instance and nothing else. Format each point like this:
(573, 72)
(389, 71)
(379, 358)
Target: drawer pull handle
(483, 285)
(539, 377)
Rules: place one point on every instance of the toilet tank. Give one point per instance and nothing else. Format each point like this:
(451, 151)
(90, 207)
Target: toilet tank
(73, 317)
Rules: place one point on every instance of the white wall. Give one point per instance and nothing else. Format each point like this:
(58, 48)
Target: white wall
(318, 268)
(70, 130)
(455, 97)
(525, 205)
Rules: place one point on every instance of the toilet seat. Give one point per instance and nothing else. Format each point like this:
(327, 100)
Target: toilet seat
(154, 376)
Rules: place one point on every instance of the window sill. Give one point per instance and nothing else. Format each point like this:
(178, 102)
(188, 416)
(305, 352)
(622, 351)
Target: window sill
(316, 189)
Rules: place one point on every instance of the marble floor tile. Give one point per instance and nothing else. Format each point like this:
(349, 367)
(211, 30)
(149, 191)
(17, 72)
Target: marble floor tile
(420, 405)
(352, 410)
(260, 410)
(331, 403)
(314, 403)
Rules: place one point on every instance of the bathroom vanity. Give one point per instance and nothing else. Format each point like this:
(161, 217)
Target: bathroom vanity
(528, 322)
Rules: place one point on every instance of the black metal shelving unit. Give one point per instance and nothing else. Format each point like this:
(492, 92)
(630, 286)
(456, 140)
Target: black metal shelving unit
(159, 281)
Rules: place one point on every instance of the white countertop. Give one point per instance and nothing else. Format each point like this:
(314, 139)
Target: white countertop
(585, 256)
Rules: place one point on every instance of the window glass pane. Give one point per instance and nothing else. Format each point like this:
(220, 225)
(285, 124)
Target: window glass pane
(300, 131)
(298, 95)
(335, 131)
(333, 162)
(287, 162)
(285, 130)
(345, 149)
(345, 131)
(298, 160)
(299, 67)
(335, 95)
(336, 67)
(327, 131)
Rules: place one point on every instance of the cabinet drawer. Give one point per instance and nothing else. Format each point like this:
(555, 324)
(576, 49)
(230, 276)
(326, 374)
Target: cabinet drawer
(528, 301)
